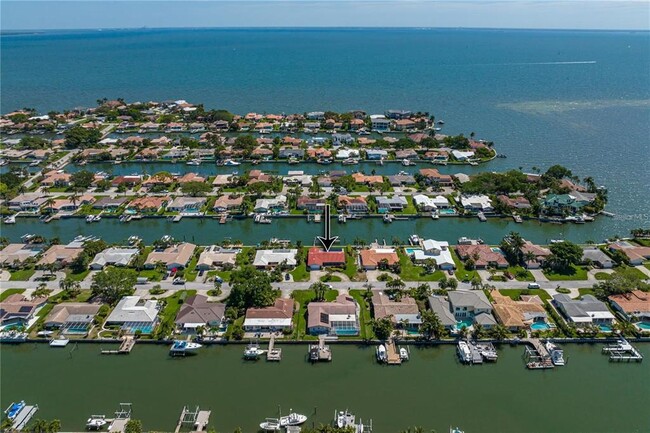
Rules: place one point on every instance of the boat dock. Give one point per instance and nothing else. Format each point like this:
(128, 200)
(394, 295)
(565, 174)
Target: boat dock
(177, 218)
(392, 353)
(24, 416)
(122, 417)
(476, 357)
(197, 418)
(320, 351)
(273, 354)
(622, 351)
(125, 347)
(537, 357)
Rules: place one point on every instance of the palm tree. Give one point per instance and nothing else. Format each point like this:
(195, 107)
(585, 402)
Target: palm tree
(499, 332)
(463, 332)
(54, 426)
(49, 203)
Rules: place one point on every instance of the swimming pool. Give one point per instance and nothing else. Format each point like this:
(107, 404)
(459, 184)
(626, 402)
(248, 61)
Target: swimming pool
(540, 326)
(466, 323)
(497, 250)
(410, 251)
(347, 332)
(143, 327)
(605, 328)
(643, 325)
(447, 212)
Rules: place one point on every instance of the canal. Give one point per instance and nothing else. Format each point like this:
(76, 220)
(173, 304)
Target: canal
(433, 390)
(208, 230)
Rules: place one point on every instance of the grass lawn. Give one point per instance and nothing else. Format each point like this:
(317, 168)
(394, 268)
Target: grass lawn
(602, 276)
(77, 277)
(21, 275)
(516, 293)
(4, 295)
(520, 273)
(410, 207)
(627, 270)
(231, 326)
(642, 242)
(300, 273)
(191, 272)
(168, 314)
(647, 265)
(575, 273)
(351, 264)
(462, 273)
(364, 320)
(585, 291)
(225, 275)
(83, 296)
(303, 297)
(330, 279)
(412, 272)
(151, 274)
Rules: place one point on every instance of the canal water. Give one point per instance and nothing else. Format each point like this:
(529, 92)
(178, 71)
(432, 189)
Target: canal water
(208, 230)
(433, 390)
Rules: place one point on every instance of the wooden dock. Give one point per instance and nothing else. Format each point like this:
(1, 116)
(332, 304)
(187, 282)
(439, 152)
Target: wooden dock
(392, 353)
(273, 354)
(537, 357)
(125, 347)
(24, 416)
(197, 418)
(320, 351)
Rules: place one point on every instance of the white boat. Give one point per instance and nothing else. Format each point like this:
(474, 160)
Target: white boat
(403, 354)
(414, 240)
(345, 419)
(406, 162)
(134, 240)
(181, 347)
(59, 342)
(10, 220)
(253, 351)
(12, 336)
(435, 215)
(97, 218)
(261, 219)
(231, 162)
(193, 162)
(464, 353)
(363, 132)
(381, 353)
(557, 354)
(270, 424)
(292, 419)
(343, 218)
(350, 161)
(44, 333)
(96, 422)
(265, 131)
(90, 218)
(35, 163)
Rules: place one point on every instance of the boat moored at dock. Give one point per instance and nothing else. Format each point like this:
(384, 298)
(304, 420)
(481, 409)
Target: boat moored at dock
(183, 347)
(96, 422)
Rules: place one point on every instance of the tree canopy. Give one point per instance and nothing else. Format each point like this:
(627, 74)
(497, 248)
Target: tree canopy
(250, 288)
(82, 178)
(113, 283)
(79, 137)
(564, 254)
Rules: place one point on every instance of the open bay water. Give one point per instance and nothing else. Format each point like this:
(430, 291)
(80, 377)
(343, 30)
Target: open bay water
(577, 98)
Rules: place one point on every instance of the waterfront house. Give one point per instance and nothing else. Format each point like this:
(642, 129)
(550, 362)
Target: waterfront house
(222, 180)
(462, 155)
(318, 152)
(267, 259)
(363, 179)
(561, 204)
(595, 256)
(174, 257)
(56, 178)
(316, 115)
(186, 204)
(585, 311)
(379, 123)
(269, 205)
(61, 255)
(518, 202)
(437, 155)
(159, 179)
(476, 203)
(404, 313)
(190, 177)
(403, 124)
(69, 204)
(540, 254)
(292, 152)
(13, 255)
(401, 179)
(110, 204)
(72, 317)
(352, 205)
(114, 256)
(347, 153)
(277, 317)
(340, 317)
(438, 251)
(428, 204)
(311, 205)
(433, 176)
(226, 203)
(148, 204)
(127, 180)
(442, 309)
(482, 255)
(215, 256)
(471, 306)
(635, 254)
(406, 154)
(134, 314)
(634, 305)
(398, 114)
(317, 258)
(262, 152)
(517, 315)
(396, 203)
(29, 202)
(376, 154)
(197, 312)
(356, 124)
(342, 139)
(17, 310)
(375, 258)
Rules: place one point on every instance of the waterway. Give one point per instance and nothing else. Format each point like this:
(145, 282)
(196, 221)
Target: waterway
(432, 390)
(208, 230)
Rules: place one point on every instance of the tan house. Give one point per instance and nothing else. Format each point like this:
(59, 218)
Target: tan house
(404, 313)
(516, 315)
(174, 257)
(61, 255)
(278, 317)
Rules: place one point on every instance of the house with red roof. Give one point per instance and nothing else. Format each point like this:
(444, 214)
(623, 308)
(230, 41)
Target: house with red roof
(318, 258)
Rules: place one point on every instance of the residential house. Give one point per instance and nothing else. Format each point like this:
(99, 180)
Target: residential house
(433, 176)
(356, 124)
(373, 258)
(74, 318)
(376, 154)
(197, 312)
(215, 256)
(222, 180)
(430, 204)
(442, 308)
(404, 313)
(597, 257)
(635, 254)
(17, 310)
(401, 179)
(267, 259)
(109, 204)
(174, 257)
(517, 315)
(61, 255)
(114, 257)
(352, 205)
(29, 202)
(16, 254)
(148, 204)
(268, 205)
(56, 178)
(186, 204)
(379, 123)
(316, 115)
(190, 177)
(278, 317)
(482, 255)
(126, 180)
(585, 311)
(226, 203)
(317, 258)
(634, 305)
(471, 305)
(361, 178)
(518, 202)
(403, 124)
(134, 314)
(438, 251)
(342, 139)
(561, 204)
(540, 255)
(396, 203)
(310, 204)
(398, 114)
(340, 317)
(292, 152)
(462, 155)
(347, 153)
(406, 154)
(476, 203)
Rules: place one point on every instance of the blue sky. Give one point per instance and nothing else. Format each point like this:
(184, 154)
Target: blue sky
(575, 14)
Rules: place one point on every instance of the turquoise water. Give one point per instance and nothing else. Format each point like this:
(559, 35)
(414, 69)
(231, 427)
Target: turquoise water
(540, 326)
(605, 328)
(465, 323)
(410, 251)
(446, 211)
(644, 325)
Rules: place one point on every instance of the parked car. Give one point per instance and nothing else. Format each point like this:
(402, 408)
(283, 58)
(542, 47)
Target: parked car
(533, 286)
(178, 281)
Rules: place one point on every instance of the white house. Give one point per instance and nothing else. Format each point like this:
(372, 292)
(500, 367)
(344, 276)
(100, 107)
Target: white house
(134, 313)
(476, 203)
(347, 153)
(186, 204)
(114, 256)
(379, 123)
(269, 258)
(274, 204)
(462, 155)
(438, 251)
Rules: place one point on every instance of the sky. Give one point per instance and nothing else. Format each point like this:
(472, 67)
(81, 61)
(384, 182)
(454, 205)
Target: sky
(535, 14)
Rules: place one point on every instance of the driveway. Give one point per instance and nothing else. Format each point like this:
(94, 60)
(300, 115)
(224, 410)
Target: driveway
(539, 275)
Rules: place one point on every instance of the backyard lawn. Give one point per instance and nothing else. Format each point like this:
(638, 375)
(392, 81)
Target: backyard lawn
(300, 272)
(364, 320)
(4, 295)
(574, 273)
(22, 274)
(462, 273)
(516, 293)
(412, 272)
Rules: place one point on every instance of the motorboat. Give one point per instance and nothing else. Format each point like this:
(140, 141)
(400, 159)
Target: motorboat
(350, 161)
(265, 131)
(406, 162)
(435, 215)
(464, 353)
(182, 347)
(14, 408)
(90, 218)
(362, 132)
(293, 161)
(414, 240)
(404, 354)
(231, 162)
(96, 422)
(557, 354)
(59, 342)
(10, 220)
(261, 219)
(134, 240)
(193, 162)
(345, 419)
(381, 353)
(292, 419)
(44, 333)
(270, 424)
(388, 218)
(324, 161)
(253, 351)
(342, 218)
